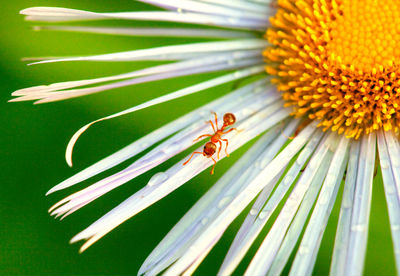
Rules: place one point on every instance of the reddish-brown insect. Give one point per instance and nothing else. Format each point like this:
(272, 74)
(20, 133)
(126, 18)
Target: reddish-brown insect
(210, 147)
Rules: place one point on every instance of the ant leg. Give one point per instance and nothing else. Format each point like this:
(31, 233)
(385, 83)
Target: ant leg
(226, 148)
(201, 136)
(196, 152)
(220, 147)
(215, 163)
(231, 129)
(212, 125)
(216, 119)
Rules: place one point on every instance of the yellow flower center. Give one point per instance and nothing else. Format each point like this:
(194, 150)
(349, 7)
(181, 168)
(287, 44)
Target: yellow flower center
(337, 61)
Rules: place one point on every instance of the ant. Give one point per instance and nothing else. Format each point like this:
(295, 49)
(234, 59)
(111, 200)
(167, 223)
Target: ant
(210, 147)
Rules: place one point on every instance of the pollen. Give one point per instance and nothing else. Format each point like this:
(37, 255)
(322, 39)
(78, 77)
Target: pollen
(338, 61)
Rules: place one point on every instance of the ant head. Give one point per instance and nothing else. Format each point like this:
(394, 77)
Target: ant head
(209, 149)
(229, 119)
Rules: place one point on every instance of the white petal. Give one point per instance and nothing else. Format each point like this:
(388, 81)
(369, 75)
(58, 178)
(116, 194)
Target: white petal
(253, 225)
(163, 152)
(189, 271)
(243, 5)
(180, 93)
(164, 183)
(208, 61)
(171, 52)
(192, 232)
(46, 97)
(54, 14)
(200, 213)
(296, 227)
(244, 68)
(238, 203)
(263, 1)
(307, 253)
(169, 32)
(343, 229)
(160, 134)
(362, 203)
(391, 192)
(312, 177)
(394, 154)
(207, 8)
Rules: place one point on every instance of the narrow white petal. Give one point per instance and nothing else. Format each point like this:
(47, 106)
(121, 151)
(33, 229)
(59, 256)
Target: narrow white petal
(160, 134)
(164, 183)
(313, 174)
(55, 14)
(391, 193)
(293, 233)
(253, 225)
(160, 57)
(237, 184)
(244, 5)
(168, 32)
(45, 97)
(296, 227)
(171, 52)
(189, 271)
(262, 1)
(200, 211)
(208, 61)
(247, 65)
(362, 203)
(241, 200)
(180, 93)
(343, 229)
(310, 243)
(394, 154)
(214, 208)
(207, 8)
(168, 149)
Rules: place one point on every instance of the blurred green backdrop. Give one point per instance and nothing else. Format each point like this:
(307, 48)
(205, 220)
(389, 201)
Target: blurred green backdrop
(32, 145)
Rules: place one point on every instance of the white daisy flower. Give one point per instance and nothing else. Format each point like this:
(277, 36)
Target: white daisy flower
(324, 104)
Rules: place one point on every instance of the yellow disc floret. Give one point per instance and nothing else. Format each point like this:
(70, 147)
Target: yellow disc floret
(338, 61)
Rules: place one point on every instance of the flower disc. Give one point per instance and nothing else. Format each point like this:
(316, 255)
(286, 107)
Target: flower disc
(337, 61)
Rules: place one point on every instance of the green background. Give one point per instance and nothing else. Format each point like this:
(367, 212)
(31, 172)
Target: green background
(33, 140)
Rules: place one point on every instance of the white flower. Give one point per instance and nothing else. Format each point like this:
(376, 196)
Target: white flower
(305, 173)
